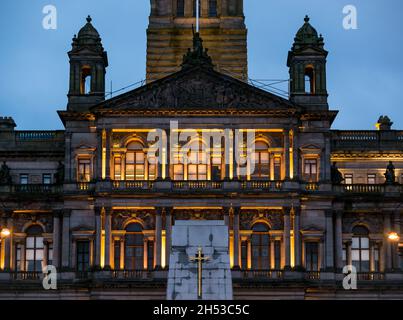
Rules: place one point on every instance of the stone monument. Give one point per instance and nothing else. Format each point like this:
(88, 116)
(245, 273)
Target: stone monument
(199, 265)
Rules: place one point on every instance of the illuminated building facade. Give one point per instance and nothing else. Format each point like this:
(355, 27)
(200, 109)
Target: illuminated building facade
(91, 201)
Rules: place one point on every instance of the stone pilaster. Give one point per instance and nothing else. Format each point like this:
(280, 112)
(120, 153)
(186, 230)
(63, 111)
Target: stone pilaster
(56, 238)
(237, 211)
(329, 241)
(286, 239)
(297, 238)
(66, 239)
(108, 238)
(98, 236)
(168, 234)
(158, 235)
(339, 241)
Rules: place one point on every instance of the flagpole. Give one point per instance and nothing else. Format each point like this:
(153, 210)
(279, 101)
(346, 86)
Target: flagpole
(197, 15)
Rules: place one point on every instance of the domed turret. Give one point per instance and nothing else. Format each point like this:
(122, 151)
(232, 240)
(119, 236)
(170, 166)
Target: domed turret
(307, 35)
(88, 62)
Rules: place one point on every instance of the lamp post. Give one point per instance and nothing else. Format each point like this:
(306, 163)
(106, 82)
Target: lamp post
(394, 238)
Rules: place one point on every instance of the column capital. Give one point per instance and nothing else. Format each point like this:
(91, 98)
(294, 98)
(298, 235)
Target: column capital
(168, 210)
(236, 210)
(97, 211)
(286, 211)
(297, 211)
(159, 210)
(108, 211)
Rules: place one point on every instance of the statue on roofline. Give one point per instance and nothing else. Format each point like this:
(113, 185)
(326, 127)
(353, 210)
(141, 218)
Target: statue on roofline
(390, 177)
(336, 176)
(5, 176)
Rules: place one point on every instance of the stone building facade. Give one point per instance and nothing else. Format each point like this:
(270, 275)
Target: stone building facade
(90, 201)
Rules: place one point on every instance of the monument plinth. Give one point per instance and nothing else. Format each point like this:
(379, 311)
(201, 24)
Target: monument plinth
(199, 265)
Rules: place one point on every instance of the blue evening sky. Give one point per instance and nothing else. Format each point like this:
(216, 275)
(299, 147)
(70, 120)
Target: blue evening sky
(365, 74)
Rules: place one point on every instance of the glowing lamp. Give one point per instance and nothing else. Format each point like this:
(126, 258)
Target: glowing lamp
(5, 232)
(393, 236)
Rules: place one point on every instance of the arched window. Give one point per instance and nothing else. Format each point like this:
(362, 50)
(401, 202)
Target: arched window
(198, 163)
(85, 85)
(309, 80)
(34, 249)
(260, 246)
(180, 8)
(360, 249)
(212, 8)
(135, 162)
(262, 162)
(134, 247)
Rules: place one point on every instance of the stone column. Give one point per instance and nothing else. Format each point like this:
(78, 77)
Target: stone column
(108, 154)
(66, 239)
(226, 215)
(122, 254)
(168, 158)
(168, 230)
(286, 136)
(286, 238)
(99, 155)
(98, 236)
(158, 226)
(348, 253)
(329, 241)
(227, 154)
(272, 254)
(297, 238)
(56, 239)
(395, 249)
(386, 242)
(45, 253)
(188, 8)
(108, 238)
(236, 237)
(145, 255)
(8, 243)
(295, 154)
(372, 256)
(22, 257)
(339, 241)
(322, 255)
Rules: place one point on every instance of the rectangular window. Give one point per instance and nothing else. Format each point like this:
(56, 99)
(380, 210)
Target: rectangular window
(376, 258)
(178, 172)
(84, 170)
(152, 168)
(50, 254)
(83, 255)
(116, 249)
(23, 178)
(312, 254)
(117, 169)
(46, 178)
(311, 170)
(277, 168)
(150, 255)
(212, 8)
(371, 178)
(348, 178)
(180, 9)
(277, 255)
(244, 255)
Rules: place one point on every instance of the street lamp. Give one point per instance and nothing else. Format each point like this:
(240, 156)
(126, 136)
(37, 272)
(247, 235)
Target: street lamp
(5, 232)
(393, 236)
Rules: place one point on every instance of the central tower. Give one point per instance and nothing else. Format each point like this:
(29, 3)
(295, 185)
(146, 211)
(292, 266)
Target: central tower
(222, 27)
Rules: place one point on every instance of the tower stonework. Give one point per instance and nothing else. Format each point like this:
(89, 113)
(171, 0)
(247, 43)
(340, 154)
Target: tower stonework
(222, 27)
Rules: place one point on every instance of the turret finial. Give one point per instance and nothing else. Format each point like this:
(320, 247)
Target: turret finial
(306, 19)
(89, 19)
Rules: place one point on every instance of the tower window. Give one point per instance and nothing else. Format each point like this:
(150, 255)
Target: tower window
(213, 8)
(85, 85)
(309, 80)
(180, 8)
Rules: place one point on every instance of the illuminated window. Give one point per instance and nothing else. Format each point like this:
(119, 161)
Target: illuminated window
(83, 255)
(23, 178)
(178, 172)
(216, 168)
(180, 9)
(117, 169)
(212, 8)
(260, 247)
(262, 162)
(46, 178)
(311, 170)
(135, 162)
(309, 80)
(85, 85)
(34, 249)
(311, 256)
(371, 178)
(134, 247)
(197, 158)
(348, 178)
(244, 254)
(277, 254)
(360, 249)
(84, 170)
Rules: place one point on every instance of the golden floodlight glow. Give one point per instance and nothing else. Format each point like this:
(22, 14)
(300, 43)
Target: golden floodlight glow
(393, 236)
(5, 232)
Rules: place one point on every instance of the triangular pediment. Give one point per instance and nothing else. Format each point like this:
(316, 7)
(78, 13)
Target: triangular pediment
(196, 89)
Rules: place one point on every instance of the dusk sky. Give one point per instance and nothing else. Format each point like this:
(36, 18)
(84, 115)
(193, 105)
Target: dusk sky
(364, 70)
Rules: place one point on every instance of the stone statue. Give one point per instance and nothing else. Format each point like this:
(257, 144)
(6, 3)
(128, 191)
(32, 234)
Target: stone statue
(5, 176)
(59, 175)
(390, 174)
(336, 175)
